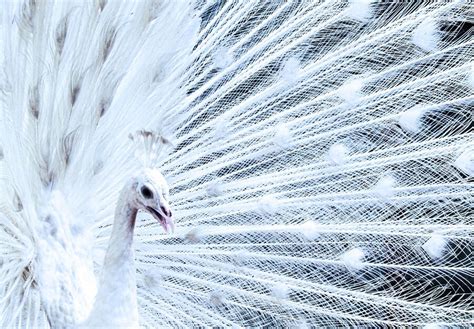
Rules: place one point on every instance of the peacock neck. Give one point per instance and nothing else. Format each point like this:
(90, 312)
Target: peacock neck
(120, 249)
(117, 294)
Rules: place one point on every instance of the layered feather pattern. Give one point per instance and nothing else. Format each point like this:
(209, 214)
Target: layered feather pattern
(320, 159)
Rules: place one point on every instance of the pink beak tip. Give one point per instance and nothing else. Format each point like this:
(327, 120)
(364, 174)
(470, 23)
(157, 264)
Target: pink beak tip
(169, 225)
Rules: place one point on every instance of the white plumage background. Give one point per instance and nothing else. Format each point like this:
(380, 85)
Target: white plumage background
(321, 160)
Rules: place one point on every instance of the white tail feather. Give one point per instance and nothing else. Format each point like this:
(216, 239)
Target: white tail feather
(321, 170)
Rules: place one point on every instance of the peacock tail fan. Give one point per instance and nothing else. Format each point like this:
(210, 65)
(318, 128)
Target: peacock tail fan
(320, 156)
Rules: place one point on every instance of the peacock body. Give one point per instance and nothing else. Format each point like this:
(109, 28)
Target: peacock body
(320, 159)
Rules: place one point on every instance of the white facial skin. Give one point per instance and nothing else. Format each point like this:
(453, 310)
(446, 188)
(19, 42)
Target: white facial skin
(151, 195)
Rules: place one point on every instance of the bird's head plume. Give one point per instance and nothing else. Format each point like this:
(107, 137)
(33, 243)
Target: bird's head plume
(148, 147)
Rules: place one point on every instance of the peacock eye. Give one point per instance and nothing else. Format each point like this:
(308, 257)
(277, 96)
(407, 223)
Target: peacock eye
(146, 192)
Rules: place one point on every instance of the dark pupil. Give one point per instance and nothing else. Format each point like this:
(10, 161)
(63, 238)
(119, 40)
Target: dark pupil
(146, 192)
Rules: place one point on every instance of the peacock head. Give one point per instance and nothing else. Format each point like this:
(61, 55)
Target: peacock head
(151, 195)
(150, 187)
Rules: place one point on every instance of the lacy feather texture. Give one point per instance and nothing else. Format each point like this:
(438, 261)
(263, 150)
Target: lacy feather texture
(319, 157)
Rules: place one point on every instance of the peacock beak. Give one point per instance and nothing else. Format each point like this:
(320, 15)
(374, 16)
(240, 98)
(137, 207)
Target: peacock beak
(164, 216)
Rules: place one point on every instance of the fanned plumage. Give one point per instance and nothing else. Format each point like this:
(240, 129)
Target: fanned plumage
(320, 157)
